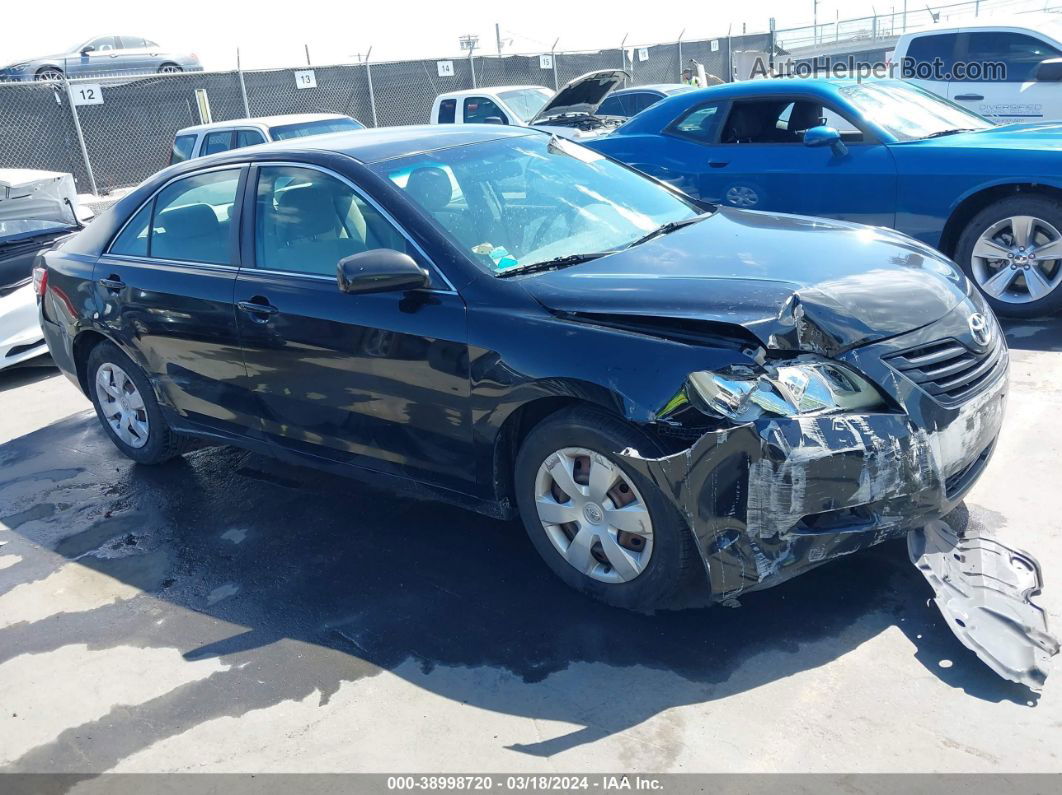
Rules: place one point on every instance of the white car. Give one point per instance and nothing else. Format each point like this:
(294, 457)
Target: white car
(221, 136)
(571, 112)
(972, 56)
(37, 208)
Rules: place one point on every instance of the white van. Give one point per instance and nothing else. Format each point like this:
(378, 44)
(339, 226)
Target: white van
(571, 112)
(1028, 48)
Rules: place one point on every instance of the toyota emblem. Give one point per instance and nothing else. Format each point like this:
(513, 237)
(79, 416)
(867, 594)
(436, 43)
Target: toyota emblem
(980, 328)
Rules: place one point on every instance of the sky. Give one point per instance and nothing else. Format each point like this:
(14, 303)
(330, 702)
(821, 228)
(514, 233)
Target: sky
(269, 33)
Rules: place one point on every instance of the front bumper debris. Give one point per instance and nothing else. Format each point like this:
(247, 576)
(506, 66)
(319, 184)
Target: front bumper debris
(984, 589)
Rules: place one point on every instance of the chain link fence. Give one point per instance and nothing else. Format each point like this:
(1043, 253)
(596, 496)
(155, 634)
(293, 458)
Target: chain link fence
(127, 129)
(124, 135)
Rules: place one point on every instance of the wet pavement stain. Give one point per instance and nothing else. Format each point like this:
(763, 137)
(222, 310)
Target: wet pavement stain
(367, 581)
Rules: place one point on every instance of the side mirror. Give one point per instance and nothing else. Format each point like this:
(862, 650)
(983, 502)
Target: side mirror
(494, 120)
(1049, 71)
(826, 136)
(87, 50)
(380, 270)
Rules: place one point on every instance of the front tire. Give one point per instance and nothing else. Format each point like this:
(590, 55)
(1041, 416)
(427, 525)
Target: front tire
(601, 526)
(127, 409)
(49, 74)
(169, 69)
(1012, 251)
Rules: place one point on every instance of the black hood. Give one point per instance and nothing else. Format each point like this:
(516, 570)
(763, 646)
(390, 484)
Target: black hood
(795, 283)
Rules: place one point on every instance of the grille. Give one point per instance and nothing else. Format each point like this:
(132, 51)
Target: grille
(949, 370)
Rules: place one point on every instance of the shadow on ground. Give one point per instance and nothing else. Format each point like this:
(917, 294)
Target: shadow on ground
(1044, 334)
(239, 556)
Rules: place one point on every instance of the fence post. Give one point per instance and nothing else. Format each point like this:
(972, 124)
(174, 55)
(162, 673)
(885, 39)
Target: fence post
(472, 66)
(243, 86)
(683, 33)
(623, 57)
(372, 95)
(81, 139)
(553, 54)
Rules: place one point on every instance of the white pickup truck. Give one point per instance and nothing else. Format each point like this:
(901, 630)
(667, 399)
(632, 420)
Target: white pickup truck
(570, 113)
(1006, 70)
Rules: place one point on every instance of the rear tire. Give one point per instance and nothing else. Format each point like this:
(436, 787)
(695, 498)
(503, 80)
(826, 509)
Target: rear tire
(654, 569)
(993, 251)
(127, 409)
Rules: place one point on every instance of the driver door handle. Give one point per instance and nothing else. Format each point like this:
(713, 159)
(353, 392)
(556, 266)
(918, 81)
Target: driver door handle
(718, 163)
(256, 308)
(969, 97)
(112, 283)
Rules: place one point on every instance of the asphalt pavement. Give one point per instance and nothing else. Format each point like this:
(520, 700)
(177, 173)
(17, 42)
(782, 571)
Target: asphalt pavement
(225, 612)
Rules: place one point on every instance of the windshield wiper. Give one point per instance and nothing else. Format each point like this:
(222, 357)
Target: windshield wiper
(666, 229)
(551, 264)
(941, 133)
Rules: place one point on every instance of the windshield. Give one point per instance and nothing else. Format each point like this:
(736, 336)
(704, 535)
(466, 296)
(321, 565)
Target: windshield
(526, 102)
(303, 128)
(910, 113)
(517, 201)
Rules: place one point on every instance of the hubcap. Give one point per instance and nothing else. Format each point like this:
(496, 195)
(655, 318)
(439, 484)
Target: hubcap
(593, 515)
(122, 405)
(1018, 260)
(741, 196)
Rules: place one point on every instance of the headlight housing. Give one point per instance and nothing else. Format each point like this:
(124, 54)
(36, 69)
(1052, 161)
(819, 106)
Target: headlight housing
(804, 386)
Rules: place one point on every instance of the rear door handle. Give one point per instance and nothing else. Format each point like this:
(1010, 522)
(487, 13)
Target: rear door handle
(257, 308)
(112, 282)
(718, 163)
(969, 97)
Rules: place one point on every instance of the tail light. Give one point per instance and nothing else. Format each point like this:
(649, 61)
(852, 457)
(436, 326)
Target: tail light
(40, 280)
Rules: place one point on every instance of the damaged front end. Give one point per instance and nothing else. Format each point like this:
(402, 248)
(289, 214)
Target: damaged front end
(799, 459)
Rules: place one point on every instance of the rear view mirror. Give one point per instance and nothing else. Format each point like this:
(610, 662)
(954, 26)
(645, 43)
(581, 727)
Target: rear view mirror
(825, 136)
(380, 270)
(1049, 71)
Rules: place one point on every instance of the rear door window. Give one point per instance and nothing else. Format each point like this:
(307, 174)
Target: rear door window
(192, 219)
(641, 101)
(1018, 52)
(182, 148)
(447, 111)
(248, 138)
(612, 106)
(217, 142)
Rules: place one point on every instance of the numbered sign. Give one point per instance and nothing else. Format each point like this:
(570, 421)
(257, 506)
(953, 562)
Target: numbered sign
(87, 94)
(305, 79)
(715, 45)
(643, 53)
(545, 62)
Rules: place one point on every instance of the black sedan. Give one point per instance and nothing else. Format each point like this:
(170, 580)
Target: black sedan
(671, 397)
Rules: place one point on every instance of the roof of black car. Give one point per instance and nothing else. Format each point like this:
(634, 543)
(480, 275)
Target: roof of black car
(385, 143)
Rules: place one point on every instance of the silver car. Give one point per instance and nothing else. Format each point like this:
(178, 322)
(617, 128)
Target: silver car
(103, 55)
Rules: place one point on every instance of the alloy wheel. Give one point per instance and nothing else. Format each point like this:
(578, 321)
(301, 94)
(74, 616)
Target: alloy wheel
(594, 515)
(1018, 260)
(122, 405)
(169, 69)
